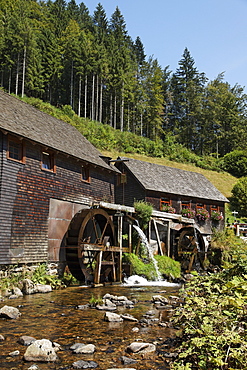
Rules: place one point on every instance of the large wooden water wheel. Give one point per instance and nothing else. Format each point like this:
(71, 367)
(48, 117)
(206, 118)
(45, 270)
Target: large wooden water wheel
(191, 249)
(92, 251)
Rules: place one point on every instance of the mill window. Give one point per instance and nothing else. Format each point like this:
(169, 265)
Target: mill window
(16, 150)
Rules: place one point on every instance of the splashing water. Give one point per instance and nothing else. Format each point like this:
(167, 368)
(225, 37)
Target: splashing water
(136, 280)
(149, 250)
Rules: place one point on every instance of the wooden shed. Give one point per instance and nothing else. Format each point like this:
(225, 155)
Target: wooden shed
(48, 173)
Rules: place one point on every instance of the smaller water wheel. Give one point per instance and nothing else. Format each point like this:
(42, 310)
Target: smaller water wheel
(191, 249)
(92, 252)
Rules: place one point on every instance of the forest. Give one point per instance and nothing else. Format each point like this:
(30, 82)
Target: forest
(56, 51)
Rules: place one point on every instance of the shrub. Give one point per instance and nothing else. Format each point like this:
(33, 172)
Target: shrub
(235, 163)
(144, 212)
(213, 319)
(239, 199)
(139, 267)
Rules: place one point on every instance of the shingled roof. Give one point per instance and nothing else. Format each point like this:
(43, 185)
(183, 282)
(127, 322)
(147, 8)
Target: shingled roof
(173, 180)
(18, 117)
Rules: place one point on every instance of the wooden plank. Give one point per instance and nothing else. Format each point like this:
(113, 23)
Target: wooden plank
(96, 247)
(98, 268)
(158, 237)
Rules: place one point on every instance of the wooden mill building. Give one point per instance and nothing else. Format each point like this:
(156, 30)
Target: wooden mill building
(48, 172)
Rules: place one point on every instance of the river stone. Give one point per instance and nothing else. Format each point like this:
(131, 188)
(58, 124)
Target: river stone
(85, 348)
(33, 367)
(160, 299)
(112, 317)
(128, 317)
(2, 338)
(106, 308)
(28, 286)
(43, 288)
(127, 360)
(14, 353)
(16, 293)
(141, 347)
(9, 312)
(26, 340)
(84, 364)
(109, 303)
(40, 350)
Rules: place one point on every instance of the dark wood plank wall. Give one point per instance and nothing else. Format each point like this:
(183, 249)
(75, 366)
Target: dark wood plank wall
(26, 191)
(127, 193)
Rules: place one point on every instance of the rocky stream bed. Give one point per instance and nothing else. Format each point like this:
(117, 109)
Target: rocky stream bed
(127, 328)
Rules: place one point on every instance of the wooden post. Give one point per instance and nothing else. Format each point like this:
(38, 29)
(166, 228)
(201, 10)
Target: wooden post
(130, 238)
(168, 240)
(120, 245)
(98, 268)
(158, 237)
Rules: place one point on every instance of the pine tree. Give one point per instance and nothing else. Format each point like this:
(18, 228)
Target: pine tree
(187, 87)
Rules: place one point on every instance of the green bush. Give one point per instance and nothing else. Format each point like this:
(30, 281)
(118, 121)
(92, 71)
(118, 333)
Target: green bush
(239, 198)
(167, 266)
(140, 268)
(144, 212)
(235, 163)
(213, 319)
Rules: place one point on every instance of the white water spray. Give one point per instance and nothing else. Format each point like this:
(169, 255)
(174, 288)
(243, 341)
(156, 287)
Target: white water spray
(149, 250)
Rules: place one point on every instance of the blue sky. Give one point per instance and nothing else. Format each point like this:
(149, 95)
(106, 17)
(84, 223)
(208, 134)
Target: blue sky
(214, 31)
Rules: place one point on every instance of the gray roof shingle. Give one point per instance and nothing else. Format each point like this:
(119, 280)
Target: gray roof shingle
(20, 118)
(173, 180)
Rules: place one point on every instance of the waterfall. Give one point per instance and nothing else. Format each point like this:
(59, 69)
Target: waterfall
(149, 250)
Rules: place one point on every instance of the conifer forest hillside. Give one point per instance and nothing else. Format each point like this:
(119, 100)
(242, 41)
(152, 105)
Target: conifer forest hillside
(58, 52)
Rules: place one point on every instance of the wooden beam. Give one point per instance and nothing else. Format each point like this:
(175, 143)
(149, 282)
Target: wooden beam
(158, 237)
(98, 268)
(168, 239)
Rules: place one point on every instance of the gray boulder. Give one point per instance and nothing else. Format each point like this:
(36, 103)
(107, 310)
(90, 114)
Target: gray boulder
(84, 364)
(160, 299)
(128, 317)
(16, 293)
(112, 317)
(140, 347)
(9, 312)
(26, 340)
(43, 288)
(41, 351)
(84, 348)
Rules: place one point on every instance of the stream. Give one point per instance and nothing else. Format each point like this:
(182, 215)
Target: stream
(55, 316)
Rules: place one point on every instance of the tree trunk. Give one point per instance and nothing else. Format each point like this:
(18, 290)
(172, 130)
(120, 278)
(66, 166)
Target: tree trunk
(111, 112)
(100, 101)
(79, 97)
(71, 84)
(23, 71)
(85, 98)
(122, 112)
(92, 111)
(97, 98)
(9, 90)
(141, 133)
(115, 111)
(17, 74)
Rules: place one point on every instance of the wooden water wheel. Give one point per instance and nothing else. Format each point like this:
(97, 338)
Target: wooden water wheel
(92, 252)
(191, 249)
